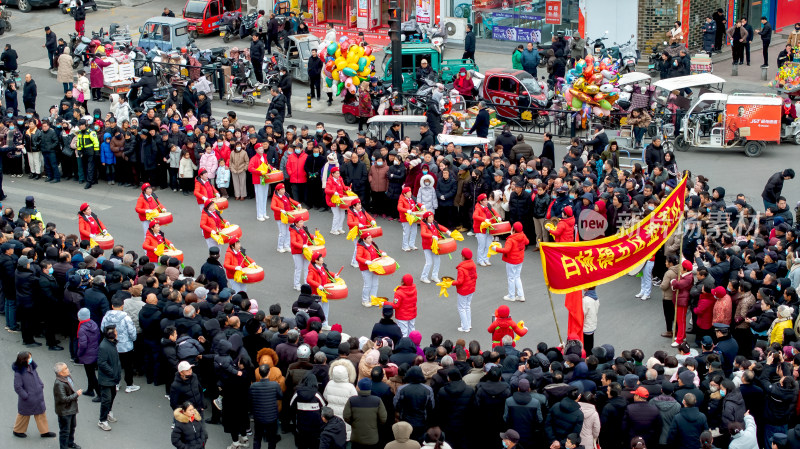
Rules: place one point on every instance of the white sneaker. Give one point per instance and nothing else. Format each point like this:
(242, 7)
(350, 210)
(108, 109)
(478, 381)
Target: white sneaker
(218, 403)
(644, 298)
(460, 329)
(520, 298)
(436, 280)
(243, 440)
(166, 396)
(297, 288)
(117, 387)
(674, 344)
(470, 233)
(103, 425)
(406, 249)
(110, 417)
(261, 219)
(333, 233)
(414, 248)
(426, 281)
(509, 298)
(639, 295)
(488, 264)
(366, 304)
(281, 250)
(131, 389)
(483, 264)
(325, 327)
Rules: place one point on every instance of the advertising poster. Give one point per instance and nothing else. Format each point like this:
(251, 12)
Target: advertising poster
(754, 121)
(423, 11)
(362, 22)
(502, 33)
(553, 12)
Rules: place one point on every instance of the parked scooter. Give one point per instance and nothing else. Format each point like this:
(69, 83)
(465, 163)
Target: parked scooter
(229, 25)
(598, 47)
(652, 63)
(628, 56)
(248, 25)
(5, 23)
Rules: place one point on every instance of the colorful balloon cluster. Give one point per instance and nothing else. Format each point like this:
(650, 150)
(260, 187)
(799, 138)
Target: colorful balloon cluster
(788, 77)
(347, 64)
(592, 86)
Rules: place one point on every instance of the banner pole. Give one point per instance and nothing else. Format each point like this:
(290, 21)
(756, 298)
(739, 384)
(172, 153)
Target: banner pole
(675, 294)
(553, 308)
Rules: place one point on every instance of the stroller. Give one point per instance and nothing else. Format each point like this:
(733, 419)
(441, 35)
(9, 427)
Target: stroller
(243, 88)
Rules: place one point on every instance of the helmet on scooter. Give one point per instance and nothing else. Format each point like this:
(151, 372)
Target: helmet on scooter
(101, 50)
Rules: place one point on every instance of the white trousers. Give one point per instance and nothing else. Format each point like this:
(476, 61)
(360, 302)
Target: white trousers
(211, 243)
(465, 310)
(261, 200)
(237, 286)
(300, 269)
(370, 285)
(145, 227)
(483, 247)
(284, 240)
(431, 267)
(514, 273)
(326, 307)
(338, 219)
(355, 251)
(409, 235)
(406, 326)
(35, 161)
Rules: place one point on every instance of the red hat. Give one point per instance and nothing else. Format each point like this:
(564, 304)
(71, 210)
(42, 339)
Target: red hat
(207, 203)
(354, 202)
(337, 327)
(152, 224)
(406, 189)
(233, 240)
(568, 211)
(466, 253)
(687, 265)
(257, 146)
(296, 218)
(518, 226)
(334, 169)
(145, 186)
(84, 206)
(202, 170)
(481, 197)
(189, 128)
(315, 257)
(641, 392)
(279, 186)
(427, 214)
(718, 292)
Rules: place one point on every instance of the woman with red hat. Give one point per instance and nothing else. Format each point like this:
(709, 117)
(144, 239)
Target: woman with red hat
(430, 231)
(405, 304)
(234, 261)
(405, 205)
(484, 213)
(260, 186)
(146, 204)
(88, 223)
(204, 189)
(335, 186)
(319, 275)
(465, 282)
(152, 239)
(681, 288)
(357, 217)
(367, 252)
(282, 203)
(300, 239)
(211, 221)
(513, 255)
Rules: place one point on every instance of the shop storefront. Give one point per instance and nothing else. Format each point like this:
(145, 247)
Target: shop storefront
(518, 20)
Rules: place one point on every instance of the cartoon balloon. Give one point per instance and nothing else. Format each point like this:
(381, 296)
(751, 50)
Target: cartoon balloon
(576, 103)
(368, 51)
(604, 104)
(343, 39)
(332, 47)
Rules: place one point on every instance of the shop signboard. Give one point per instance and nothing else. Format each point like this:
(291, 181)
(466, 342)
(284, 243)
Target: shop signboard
(362, 22)
(503, 33)
(423, 11)
(553, 12)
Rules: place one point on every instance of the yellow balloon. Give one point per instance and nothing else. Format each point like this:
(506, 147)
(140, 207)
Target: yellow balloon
(365, 73)
(356, 80)
(335, 75)
(352, 59)
(371, 58)
(353, 66)
(341, 63)
(338, 53)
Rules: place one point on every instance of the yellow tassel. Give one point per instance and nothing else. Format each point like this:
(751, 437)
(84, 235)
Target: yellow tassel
(335, 199)
(151, 215)
(492, 248)
(323, 294)
(217, 238)
(350, 193)
(445, 284)
(264, 168)
(435, 246)
(284, 217)
(376, 301)
(456, 235)
(307, 253)
(319, 240)
(353, 233)
(92, 243)
(159, 249)
(411, 218)
(521, 324)
(239, 276)
(376, 268)
(485, 225)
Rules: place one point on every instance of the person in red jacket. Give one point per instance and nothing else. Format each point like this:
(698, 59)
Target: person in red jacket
(407, 204)
(503, 325)
(513, 255)
(681, 287)
(146, 203)
(88, 223)
(405, 304)
(296, 169)
(203, 188)
(430, 231)
(335, 186)
(357, 217)
(367, 252)
(259, 184)
(282, 202)
(300, 239)
(565, 231)
(211, 221)
(319, 275)
(705, 313)
(234, 261)
(483, 214)
(154, 238)
(465, 282)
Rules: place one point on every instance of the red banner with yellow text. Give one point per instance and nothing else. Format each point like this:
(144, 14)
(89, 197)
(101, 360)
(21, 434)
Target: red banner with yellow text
(578, 265)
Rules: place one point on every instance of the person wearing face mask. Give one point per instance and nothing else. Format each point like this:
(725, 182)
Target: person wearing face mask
(86, 146)
(239, 163)
(314, 166)
(30, 391)
(298, 177)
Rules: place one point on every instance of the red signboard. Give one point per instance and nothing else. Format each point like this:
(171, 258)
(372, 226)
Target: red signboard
(552, 13)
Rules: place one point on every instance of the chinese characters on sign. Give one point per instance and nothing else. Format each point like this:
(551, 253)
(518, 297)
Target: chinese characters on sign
(424, 11)
(553, 12)
(575, 266)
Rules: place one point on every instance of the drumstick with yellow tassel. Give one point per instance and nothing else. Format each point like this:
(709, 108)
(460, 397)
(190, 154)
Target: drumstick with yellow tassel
(446, 283)
(492, 248)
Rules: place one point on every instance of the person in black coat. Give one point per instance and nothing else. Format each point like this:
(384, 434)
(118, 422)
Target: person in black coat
(642, 418)
(687, 425)
(213, 269)
(599, 140)
(387, 327)
(148, 84)
(308, 303)
(186, 387)
(548, 149)
(664, 65)
(25, 281)
(257, 57)
(334, 431)
(29, 92)
(265, 397)
(277, 104)
(203, 105)
(564, 418)
(653, 154)
(9, 59)
(109, 373)
(611, 416)
(454, 409)
(749, 38)
(507, 140)
(96, 299)
(189, 99)
(285, 84)
(490, 401)
(414, 402)
(469, 44)
(427, 138)
(51, 296)
(481, 125)
(314, 73)
(188, 432)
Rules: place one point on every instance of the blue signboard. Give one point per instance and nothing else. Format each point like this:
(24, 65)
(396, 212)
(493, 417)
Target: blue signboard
(503, 33)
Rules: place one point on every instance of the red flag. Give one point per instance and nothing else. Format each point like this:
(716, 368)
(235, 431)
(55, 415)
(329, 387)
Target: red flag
(574, 304)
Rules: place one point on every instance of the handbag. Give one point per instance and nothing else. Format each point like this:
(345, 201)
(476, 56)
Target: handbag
(77, 94)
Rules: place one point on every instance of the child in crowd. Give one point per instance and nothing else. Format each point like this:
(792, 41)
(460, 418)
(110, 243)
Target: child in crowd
(223, 178)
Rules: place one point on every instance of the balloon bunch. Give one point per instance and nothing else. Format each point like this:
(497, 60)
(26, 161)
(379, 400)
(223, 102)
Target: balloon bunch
(788, 77)
(347, 64)
(592, 86)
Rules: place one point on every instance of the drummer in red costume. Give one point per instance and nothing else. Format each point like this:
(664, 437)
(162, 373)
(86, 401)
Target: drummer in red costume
(430, 231)
(483, 214)
(358, 217)
(404, 205)
(513, 255)
(152, 239)
(367, 252)
(465, 287)
(261, 189)
(300, 238)
(88, 223)
(282, 202)
(211, 221)
(319, 275)
(146, 203)
(234, 261)
(335, 186)
(203, 188)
